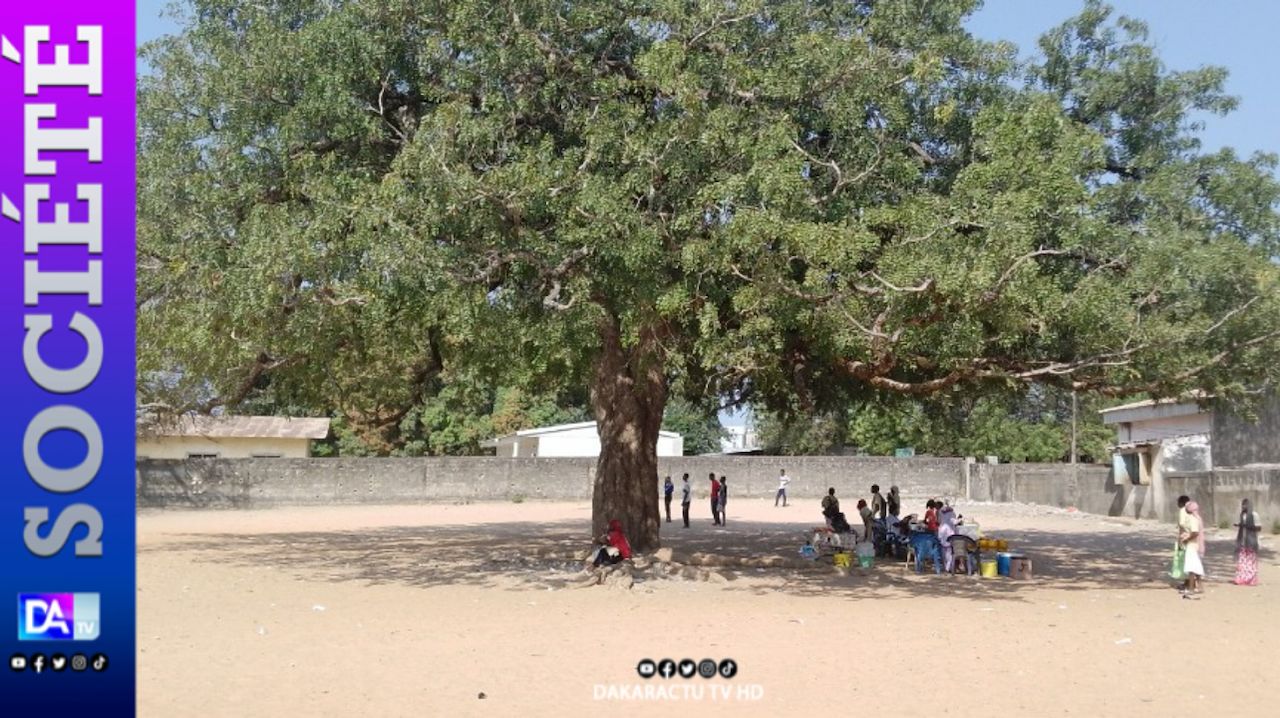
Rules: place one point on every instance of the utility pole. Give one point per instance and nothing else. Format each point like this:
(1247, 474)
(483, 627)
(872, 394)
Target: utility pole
(1073, 426)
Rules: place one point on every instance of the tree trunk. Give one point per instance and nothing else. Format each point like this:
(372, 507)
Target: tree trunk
(628, 395)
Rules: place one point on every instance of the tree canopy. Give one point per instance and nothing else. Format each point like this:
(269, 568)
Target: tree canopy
(1034, 426)
(799, 203)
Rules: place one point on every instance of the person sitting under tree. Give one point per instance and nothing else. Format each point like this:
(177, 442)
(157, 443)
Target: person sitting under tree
(613, 546)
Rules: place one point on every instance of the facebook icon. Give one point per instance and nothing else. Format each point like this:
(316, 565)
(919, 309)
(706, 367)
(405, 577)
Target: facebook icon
(58, 616)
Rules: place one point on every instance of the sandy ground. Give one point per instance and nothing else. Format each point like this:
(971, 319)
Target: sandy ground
(417, 610)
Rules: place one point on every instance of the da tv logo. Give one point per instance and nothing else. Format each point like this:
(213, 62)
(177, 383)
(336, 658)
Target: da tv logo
(58, 616)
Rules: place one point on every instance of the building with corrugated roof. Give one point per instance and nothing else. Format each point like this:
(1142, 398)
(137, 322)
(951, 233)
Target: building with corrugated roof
(231, 437)
(1190, 434)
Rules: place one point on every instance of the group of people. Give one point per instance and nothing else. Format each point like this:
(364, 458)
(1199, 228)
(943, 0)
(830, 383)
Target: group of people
(612, 546)
(719, 497)
(884, 509)
(1188, 554)
(884, 526)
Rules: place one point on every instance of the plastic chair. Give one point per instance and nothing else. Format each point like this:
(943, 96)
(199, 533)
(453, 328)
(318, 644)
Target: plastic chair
(965, 549)
(926, 547)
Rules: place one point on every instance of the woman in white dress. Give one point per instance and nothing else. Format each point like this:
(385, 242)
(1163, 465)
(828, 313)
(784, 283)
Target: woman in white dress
(1193, 541)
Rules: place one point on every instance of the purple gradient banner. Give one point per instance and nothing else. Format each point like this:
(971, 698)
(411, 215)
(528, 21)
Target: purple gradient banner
(67, 494)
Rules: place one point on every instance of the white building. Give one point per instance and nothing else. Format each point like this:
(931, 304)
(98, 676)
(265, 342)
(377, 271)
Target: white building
(739, 440)
(570, 440)
(1157, 437)
(230, 437)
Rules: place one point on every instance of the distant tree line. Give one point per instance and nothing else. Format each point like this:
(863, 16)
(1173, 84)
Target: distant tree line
(1034, 426)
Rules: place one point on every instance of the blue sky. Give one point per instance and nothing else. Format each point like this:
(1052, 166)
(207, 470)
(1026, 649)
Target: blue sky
(1240, 35)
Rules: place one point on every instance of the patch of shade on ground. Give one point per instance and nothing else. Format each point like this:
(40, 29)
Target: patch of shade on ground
(417, 610)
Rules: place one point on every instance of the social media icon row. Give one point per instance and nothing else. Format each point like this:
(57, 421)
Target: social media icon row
(39, 663)
(707, 668)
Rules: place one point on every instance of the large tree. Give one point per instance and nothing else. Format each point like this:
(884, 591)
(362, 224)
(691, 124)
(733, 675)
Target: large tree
(799, 203)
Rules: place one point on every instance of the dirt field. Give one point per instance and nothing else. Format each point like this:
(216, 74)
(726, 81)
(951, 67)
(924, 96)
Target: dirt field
(417, 610)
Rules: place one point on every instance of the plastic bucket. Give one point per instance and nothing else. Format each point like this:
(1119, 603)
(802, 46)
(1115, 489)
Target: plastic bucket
(1004, 560)
(989, 568)
(866, 561)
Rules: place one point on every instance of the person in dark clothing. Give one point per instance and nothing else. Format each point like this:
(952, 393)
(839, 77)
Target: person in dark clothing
(715, 500)
(830, 505)
(686, 496)
(668, 489)
(840, 524)
(1247, 545)
(724, 500)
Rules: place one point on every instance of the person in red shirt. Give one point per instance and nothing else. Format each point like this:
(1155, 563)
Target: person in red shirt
(615, 546)
(931, 515)
(715, 500)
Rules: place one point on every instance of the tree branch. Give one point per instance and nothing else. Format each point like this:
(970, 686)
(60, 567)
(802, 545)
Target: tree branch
(1230, 314)
(924, 286)
(994, 292)
(716, 24)
(841, 182)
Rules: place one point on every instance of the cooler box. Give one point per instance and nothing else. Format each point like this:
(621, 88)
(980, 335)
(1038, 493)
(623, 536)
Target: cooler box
(1005, 560)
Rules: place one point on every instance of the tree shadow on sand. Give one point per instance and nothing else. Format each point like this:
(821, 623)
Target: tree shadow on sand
(532, 555)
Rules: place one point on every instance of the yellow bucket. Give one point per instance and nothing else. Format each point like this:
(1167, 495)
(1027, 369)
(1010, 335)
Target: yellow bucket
(842, 560)
(989, 569)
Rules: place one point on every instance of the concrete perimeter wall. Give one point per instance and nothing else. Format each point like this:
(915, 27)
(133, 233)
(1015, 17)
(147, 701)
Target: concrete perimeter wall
(1230, 486)
(254, 483)
(257, 483)
(1094, 489)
